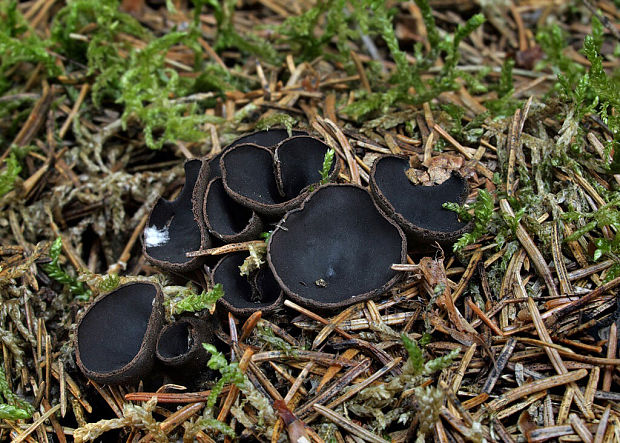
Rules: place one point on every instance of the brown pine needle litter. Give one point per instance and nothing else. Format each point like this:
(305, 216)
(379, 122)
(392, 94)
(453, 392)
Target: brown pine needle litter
(509, 335)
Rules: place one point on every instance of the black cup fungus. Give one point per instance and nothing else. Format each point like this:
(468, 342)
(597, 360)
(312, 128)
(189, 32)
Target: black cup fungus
(272, 182)
(226, 219)
(266, 138)
(179, 347)
(174, 227)
(116, 336)
(336, 249)
(244, 295)
(418, 209)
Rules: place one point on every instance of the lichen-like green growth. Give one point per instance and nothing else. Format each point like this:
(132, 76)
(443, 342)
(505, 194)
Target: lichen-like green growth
(9, 174)
(54, 270)
(109, 283)
(20, 44)
(255, 260)
(482, 214)
(328, 161)
(277, 119)
(135, 416)
(416, 365)
(266, 336)
(13, 407)
(193, 302)
(429, 401)
(586, 92)
(383, 401)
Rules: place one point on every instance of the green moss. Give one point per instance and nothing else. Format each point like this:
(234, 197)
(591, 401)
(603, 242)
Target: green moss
(101, 51)
(504, 105)
(228, 37)
(19, 46)
(9, 174)
(406, 75)
(482, 214)
(328, 161)
(300, 31)
(57, 272)
(605, 90)
(230, 373)
(608, 215)
(193, 302)
(109, 283)
(266, 336)
(13, 407)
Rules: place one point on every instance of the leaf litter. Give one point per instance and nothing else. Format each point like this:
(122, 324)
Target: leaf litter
(510, 336)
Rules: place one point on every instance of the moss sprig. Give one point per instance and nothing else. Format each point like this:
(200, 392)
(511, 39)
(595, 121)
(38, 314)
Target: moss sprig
(55, 271)
(12, 407)
(9, 174)
(194, 302)
(229, 373)
(482, 214)
(18, 45)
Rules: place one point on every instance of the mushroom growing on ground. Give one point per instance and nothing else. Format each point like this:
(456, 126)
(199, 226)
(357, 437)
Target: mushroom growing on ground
(244, 295)
(173, 230)
(267, 138)
(116, 337)
(336, 249)
(418, 209)
(179, 347)
(226, 219)
(273, 182)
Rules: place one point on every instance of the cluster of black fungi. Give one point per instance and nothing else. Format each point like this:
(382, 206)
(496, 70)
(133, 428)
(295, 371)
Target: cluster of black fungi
(332, 245)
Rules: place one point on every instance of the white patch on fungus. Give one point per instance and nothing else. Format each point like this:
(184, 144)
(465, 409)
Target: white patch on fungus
(154, 237)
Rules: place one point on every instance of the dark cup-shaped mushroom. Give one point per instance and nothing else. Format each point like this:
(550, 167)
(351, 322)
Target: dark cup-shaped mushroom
(336, 249)
(245, 295)
(273, 182)
(179, 347)
(115, 339)
(418, 209)
(173, 229)
(268, 138)
(226, 219)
